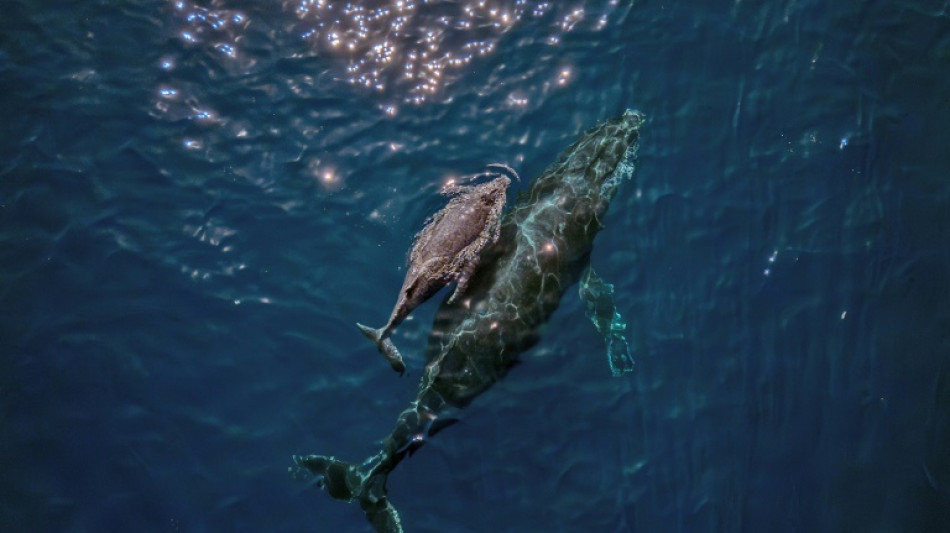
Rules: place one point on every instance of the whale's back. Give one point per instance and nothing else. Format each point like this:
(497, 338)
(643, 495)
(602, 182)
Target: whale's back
(544, 247)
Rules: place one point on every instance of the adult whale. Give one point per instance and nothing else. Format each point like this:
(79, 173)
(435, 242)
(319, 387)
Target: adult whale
(543, 249)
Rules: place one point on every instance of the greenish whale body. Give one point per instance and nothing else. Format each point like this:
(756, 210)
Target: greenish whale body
(544, 249)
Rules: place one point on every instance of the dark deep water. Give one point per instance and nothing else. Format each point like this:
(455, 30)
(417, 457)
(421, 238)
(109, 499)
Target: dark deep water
(198, 200)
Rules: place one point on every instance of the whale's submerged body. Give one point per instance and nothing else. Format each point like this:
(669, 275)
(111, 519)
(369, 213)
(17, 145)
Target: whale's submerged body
(543, 250)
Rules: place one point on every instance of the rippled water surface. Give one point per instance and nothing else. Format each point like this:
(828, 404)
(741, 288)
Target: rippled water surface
(198, 200)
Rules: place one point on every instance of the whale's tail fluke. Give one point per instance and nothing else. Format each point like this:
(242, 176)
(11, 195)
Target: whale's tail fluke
(385, 345)
(345, 481)
(366, 483)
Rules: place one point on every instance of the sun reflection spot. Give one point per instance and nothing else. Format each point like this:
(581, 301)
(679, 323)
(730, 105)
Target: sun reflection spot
(227, 50)
(564, 76)
(328, 177)
(516, 100)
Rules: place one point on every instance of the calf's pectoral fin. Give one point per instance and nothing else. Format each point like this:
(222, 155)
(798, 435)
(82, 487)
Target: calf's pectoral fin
(465, 275)
(598, 298)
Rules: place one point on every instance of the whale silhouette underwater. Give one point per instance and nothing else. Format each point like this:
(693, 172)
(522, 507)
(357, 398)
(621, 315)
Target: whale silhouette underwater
(542, 249)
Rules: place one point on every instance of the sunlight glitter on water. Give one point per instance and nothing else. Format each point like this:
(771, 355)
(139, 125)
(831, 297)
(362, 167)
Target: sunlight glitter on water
(397, 53)
(409, 49)
(419, 44)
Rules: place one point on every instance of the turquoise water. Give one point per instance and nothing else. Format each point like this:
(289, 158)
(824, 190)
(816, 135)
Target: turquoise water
(198, 201)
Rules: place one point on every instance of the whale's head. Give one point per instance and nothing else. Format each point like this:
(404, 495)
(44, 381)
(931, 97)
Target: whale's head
(596, 163)
(603, 157)
(581, 183)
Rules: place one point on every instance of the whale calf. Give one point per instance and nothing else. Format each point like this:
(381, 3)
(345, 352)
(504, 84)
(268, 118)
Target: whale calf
(543, 249)
(447, 249)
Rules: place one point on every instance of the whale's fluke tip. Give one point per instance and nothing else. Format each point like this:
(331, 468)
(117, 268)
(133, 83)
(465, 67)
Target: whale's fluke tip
(371, 333)
(386, 347)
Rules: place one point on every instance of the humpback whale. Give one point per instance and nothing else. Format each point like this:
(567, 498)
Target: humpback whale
(543, 249)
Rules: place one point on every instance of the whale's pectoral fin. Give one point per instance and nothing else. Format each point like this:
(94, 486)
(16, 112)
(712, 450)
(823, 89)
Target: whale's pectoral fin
(598, 298)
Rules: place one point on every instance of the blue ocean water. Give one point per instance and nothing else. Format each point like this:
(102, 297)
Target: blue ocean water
(198, 200)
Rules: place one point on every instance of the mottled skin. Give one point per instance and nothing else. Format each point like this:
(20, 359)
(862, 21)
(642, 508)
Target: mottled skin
(544, 247)
(446, 250)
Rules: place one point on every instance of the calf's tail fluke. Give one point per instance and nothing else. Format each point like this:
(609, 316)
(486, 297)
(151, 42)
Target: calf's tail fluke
(348, 482)
(385, 345)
